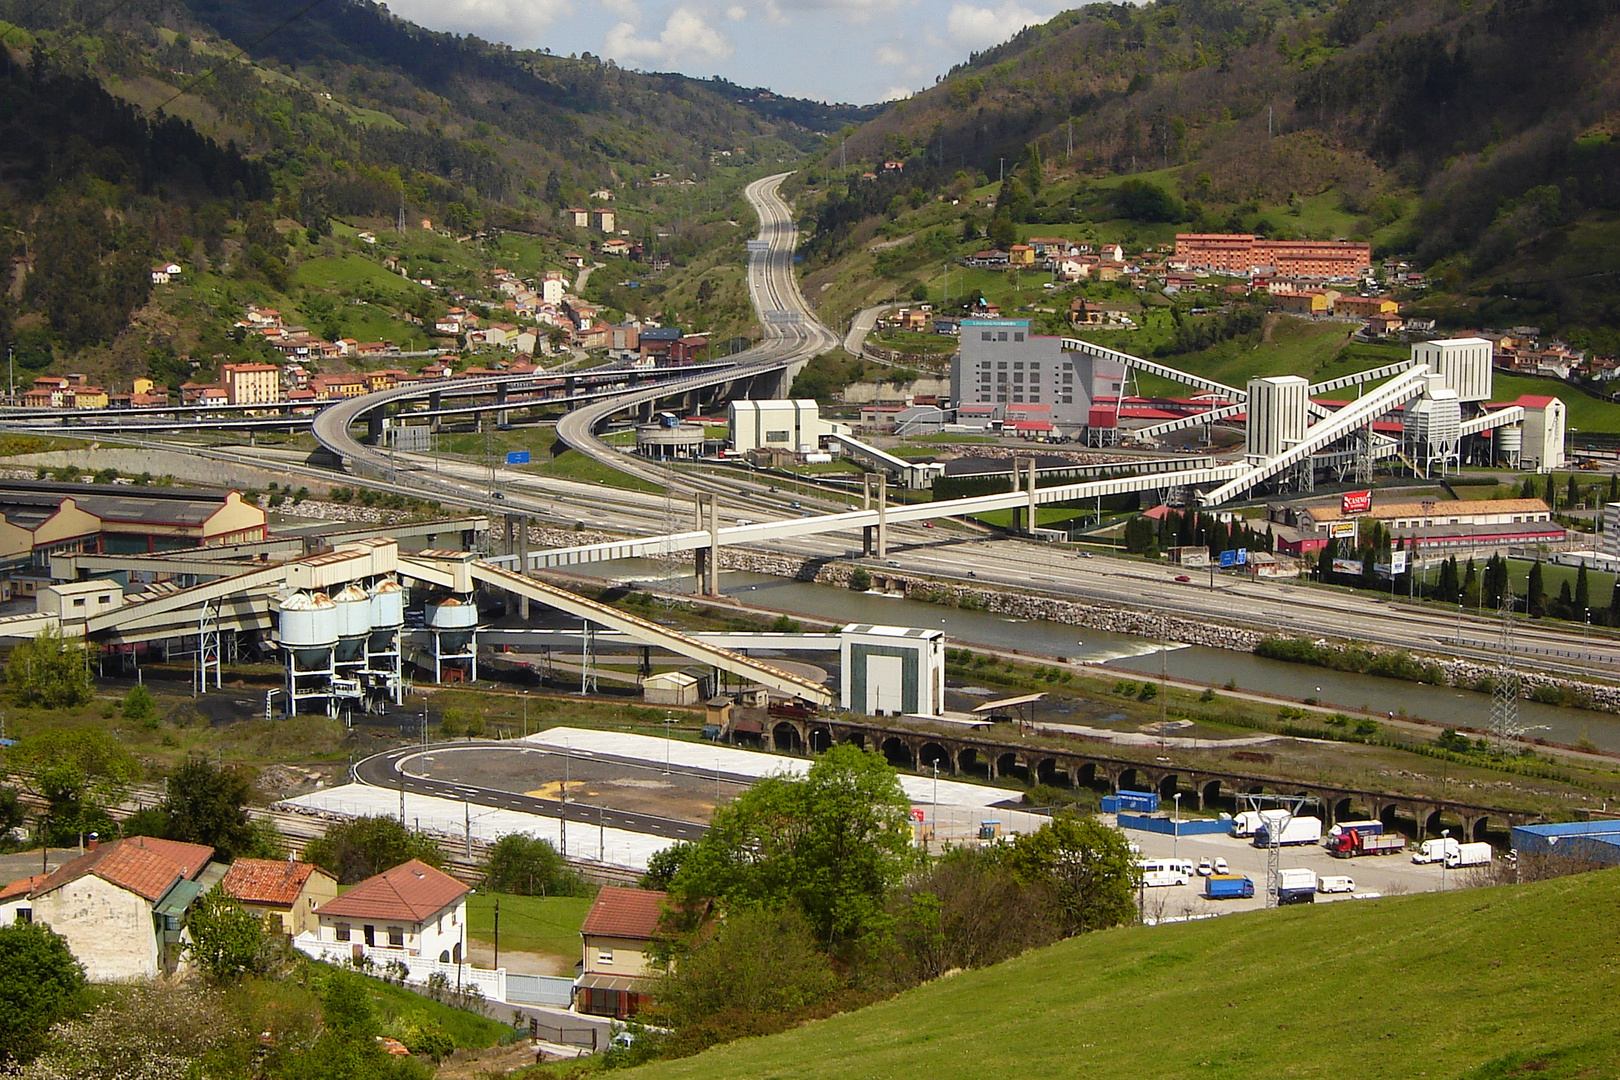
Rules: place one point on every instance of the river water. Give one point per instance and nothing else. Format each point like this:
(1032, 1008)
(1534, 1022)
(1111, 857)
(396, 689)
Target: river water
(1128, 654)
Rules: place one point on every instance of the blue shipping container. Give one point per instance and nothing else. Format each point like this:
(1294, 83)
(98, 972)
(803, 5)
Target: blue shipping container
(1138, 802)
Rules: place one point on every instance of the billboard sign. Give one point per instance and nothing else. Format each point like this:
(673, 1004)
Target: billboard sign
(1347, 566)
(1342, 530)
(1394, 568)
(1355, 502)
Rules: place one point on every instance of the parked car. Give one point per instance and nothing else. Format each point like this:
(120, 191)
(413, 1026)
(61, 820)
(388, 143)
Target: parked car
(1205, 868)
(1220, 866)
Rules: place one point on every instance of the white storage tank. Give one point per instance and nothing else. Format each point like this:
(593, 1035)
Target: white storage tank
(309, 629)
(454, 619)
(1509, 442)
(387, 605)
(353, 609)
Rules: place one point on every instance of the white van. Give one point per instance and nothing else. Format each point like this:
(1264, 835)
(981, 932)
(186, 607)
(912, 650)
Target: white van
(1157, 873)
(1335, 884)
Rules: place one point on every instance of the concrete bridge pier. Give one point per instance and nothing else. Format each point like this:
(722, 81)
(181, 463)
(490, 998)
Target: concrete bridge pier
(503, 418)
(374, 427)
(435, 402)
(883, 516)
(706, 560)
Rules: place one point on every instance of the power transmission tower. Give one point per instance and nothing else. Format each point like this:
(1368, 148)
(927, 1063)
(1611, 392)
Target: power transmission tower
(1285, 809)
(1506, 726)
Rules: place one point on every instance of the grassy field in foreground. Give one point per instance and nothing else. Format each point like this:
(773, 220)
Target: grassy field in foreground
(537, 924)
(1476, 984)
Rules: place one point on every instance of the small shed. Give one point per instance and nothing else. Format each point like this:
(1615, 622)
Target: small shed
(671, 688)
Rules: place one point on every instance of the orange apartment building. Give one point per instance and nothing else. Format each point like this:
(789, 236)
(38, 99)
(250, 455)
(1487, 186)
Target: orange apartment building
(1244, 253)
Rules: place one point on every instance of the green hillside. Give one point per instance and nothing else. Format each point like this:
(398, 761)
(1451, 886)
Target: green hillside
(1474, 984)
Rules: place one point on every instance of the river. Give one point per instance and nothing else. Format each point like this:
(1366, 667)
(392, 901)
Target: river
(1124, 653)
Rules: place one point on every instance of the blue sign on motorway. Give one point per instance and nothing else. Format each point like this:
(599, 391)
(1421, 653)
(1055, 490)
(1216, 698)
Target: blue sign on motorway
(1228, 560)
(517, 457)
(1243, 556)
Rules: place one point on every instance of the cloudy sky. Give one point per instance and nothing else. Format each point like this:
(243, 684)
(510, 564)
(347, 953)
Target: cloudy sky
(857, 51)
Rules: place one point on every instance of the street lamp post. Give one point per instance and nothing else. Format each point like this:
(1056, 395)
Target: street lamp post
(1175, 844)
(525, 713)
(1445, 853)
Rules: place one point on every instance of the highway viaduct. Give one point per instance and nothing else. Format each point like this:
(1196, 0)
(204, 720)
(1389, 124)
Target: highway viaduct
(986, 757)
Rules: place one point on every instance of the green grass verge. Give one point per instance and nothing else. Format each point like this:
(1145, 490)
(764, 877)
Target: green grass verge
(539, 924)
(1477, 984)
(397, 1006)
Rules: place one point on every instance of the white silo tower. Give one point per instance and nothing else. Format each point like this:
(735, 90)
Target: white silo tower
(308, 635)
(453, 621)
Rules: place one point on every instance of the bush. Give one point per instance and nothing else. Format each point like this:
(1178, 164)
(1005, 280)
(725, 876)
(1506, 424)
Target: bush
(860, 580)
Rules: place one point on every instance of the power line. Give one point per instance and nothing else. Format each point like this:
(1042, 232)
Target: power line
(241, 51)
(27, 15)
(83, 30)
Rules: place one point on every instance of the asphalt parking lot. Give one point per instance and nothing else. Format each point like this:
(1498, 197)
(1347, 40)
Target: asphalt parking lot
(1374, 875)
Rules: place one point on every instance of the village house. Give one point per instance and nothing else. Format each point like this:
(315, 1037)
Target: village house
(617, 934)
(120, 905)
(577, 216)
(282, 889)
(163, 273)
(412, 907)
(603, 218)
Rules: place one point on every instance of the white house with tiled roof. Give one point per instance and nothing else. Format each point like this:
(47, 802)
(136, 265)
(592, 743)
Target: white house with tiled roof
(412, 907)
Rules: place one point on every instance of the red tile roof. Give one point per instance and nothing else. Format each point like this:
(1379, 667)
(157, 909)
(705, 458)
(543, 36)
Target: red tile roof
(21, 887)
(144, 865)
(625, 913)
(267, 881)
(410, 892)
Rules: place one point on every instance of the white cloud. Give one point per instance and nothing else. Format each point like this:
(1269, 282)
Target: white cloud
(736, 13)
(686, 37)
(981, 27)
(624, 10)
(892, 56)
(522, 23)
(896, 93)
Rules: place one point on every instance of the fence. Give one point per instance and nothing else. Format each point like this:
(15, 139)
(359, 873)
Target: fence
(539, 990)
(563, 1032)
(491, 983)
(1168, 827)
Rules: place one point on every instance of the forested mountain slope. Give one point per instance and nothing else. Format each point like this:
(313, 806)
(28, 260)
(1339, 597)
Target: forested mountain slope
(186, 129)
(1485, 126)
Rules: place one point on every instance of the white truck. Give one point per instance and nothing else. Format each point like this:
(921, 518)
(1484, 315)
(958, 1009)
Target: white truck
(1470, 855)
(1245, 823)
(1335, 883)
(1296, 830)
(1296, 886)
(1433, 851)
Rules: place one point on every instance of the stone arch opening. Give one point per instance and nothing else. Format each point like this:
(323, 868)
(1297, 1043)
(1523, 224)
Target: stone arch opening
(755, 739)
(1343, 810)
(1212, 798)
(1434, 823)
(1169, 784)
(1129, 780)
(933, 754)
(786, 737)
(1009, 766)
(855, 738)
(970, 763)
(1089, 776)
(898, 753)
(1047, 771)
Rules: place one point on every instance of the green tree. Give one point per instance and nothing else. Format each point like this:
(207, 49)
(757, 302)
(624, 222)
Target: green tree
(755, 973)
(77, 772)
(13, 813)
(50, 671)
(140, 707)
(834, 842)
(966, 910)
(859, 579)
(1088, 867)
(1583, 592)
(1535, 593)
(354, 850)
(227, 940)
(207, 804)
(1002, 234)
(346, 1048)
(40, 983)
(526, 865)
(664, 865)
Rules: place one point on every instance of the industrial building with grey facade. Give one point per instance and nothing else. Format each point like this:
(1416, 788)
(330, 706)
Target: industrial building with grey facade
(1002, 364)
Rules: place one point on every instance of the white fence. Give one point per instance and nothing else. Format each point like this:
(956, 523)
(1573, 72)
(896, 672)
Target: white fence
(419, 969)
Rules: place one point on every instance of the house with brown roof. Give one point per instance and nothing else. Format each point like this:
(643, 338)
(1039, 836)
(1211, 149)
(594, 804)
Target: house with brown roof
(280, 888)
(412, 908)
(120, 905)
(14, 902)
(615, 976)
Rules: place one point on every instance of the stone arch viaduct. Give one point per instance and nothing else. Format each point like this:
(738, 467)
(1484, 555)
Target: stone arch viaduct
(983, 756)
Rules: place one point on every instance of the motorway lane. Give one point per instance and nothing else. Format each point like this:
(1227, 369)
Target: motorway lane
(383, 771)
